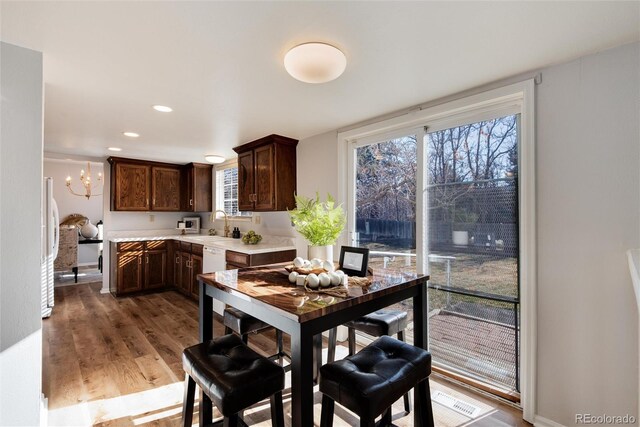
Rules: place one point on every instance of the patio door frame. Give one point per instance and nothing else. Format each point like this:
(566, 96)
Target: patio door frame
(515, 98)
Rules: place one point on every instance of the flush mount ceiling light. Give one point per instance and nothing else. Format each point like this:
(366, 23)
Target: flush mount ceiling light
(212, 158)
(114, 149)
(162, 108)
(315, 62)
(131, 134)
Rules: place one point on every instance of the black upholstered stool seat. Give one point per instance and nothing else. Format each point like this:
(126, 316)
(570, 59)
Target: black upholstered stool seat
(369, 382)
(241, 322)
(377, 324)
(233, 376)
(381, 322)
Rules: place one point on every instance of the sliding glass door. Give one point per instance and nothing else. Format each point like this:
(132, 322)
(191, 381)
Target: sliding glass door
(461, 182)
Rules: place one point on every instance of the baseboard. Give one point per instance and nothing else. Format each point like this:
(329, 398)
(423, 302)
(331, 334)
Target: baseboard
(545, 422)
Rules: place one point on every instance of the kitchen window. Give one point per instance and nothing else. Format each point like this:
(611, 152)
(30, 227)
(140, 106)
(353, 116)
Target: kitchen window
(227, 191)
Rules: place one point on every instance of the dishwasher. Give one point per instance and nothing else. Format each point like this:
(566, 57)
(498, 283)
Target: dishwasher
(213, 259)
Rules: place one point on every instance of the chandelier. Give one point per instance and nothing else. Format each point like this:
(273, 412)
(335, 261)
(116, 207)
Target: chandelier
(85, 180)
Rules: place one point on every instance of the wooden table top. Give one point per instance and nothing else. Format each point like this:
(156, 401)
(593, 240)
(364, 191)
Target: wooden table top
(270, 285)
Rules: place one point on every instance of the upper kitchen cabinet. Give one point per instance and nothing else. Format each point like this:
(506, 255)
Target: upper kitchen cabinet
(267, 174)
(130, 185)
(197, 187)
(140, 185)
(165, 188)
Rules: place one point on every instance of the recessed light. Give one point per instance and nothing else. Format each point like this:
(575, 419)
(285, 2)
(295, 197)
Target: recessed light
(212, 158)
(114, 149)
(131, 134)
(162, 108)
(315, 62)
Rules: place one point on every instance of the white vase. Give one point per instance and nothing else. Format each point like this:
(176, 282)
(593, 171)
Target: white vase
(324, 253)
(88, 230)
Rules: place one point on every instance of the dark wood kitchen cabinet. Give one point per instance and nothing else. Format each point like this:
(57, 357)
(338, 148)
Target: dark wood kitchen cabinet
(139, 266)
(267, 174)
(142, 186)
(240, 260)
(165, 188)
(188, 265)
(197, 188)
(130, 186)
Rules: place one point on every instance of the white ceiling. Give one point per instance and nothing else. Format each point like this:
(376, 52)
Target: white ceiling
(219, 64)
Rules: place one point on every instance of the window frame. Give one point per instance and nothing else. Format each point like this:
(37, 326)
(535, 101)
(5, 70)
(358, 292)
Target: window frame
(464, 109)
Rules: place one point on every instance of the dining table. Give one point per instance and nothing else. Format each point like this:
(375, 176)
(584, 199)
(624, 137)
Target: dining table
(266, 293)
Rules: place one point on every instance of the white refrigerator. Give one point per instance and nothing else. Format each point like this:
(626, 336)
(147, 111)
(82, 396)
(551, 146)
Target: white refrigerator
(50, 240)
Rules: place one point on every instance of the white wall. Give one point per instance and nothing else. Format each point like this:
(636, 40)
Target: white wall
(20, 236)
(317, 165)
(92, 208)
(588, 185)
(588, 209)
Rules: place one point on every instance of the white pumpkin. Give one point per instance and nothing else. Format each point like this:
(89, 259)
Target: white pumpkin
(298, 262)
(328, 266)
(325, 280)
(293, 276)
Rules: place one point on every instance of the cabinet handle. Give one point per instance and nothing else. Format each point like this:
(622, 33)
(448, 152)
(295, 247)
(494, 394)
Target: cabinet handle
(190, 202)
(147, 259)
(177, 260)
(154, 201)
(139, 260)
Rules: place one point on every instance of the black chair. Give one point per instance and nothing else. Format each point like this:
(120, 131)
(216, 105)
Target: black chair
(234, 377)
(377, 324)
(244, 324)
(368, 382)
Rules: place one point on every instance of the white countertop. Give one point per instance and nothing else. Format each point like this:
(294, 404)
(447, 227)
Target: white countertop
(268, 243)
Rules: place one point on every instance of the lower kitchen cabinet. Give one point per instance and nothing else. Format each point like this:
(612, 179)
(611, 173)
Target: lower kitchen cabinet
(241, 260)
(188, 264)
(155, 270)
(139, 266)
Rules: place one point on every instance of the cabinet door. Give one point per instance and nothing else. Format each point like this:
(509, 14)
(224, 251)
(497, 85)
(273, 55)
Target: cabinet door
(155, 269)
(202, 188)
(129, 272)
(131, 192)
(165, 188)
(264, 179)
(196, 268)
(185, 273)
(245, 181)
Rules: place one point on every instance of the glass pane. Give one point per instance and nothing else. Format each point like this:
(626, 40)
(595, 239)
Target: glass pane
(473, 250)
(386, 202)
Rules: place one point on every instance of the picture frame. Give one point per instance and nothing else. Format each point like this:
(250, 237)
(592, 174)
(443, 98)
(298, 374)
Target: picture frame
(354, 261)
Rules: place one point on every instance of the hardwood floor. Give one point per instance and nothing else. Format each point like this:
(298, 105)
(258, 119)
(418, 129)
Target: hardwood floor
(117, 362)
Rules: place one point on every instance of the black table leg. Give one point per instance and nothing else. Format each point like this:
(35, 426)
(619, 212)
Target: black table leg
(420, 340)
(302, 367)
(205, 316)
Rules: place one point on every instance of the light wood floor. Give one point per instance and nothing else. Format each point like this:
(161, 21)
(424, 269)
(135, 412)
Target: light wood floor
(116, 362)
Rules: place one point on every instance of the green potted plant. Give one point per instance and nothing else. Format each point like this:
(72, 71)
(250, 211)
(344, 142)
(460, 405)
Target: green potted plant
(320, 223)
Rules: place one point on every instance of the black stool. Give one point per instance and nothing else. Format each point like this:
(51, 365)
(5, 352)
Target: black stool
(234, 377)
(243, 324)
(370, 381)
(377, 324)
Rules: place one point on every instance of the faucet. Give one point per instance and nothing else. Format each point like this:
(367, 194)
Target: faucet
(226, 223)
